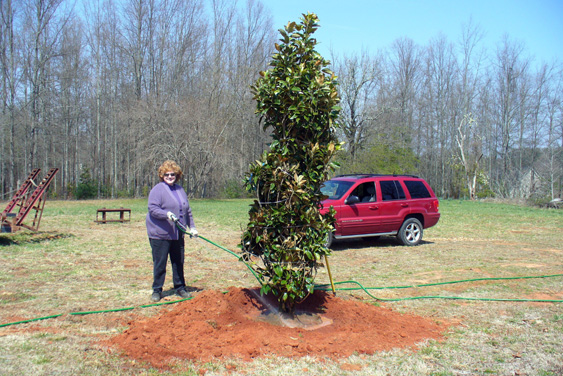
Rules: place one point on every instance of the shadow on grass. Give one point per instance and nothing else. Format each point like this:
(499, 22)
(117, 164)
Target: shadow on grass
(369, 242)
(172, 292)
(29, 237)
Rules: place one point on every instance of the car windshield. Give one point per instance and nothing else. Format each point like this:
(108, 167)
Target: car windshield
(335, 189)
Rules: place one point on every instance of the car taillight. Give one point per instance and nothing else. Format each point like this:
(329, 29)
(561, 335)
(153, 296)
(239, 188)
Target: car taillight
(436, 205)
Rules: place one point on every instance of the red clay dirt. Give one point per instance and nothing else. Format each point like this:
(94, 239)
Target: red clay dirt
(216, 325)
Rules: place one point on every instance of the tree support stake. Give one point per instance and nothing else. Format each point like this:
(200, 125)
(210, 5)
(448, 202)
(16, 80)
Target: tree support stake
(330, 276)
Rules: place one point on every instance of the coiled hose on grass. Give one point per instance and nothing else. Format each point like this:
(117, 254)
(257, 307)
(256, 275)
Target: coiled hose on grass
(326, 287)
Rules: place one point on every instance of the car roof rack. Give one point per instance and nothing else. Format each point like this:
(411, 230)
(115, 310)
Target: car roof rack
(359, 176)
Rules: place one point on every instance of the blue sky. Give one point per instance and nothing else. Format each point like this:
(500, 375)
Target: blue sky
(347, 26)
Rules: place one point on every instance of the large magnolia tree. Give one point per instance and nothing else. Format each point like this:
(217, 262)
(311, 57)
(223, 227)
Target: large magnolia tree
(297, 99)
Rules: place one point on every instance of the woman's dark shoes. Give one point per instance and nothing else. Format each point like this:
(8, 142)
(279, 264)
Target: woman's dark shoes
(183, 293)
(156, 296)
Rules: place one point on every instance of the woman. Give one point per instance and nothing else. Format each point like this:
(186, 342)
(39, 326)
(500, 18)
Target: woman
(168, 198)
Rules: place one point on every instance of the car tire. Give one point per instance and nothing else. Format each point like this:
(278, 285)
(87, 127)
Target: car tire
(410, 233)
(329, 239)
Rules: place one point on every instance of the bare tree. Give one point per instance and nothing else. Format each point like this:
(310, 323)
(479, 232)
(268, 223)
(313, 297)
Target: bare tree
(360, 77)
(554, 113)
(511, 69)
(11, 80)
(44, 27)
(70, 79)
(469, 158)
(254, 38)
(405, 76)
(471, 64)
(438, 109)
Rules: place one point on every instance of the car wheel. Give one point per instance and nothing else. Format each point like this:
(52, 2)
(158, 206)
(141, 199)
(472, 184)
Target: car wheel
(329, 239)
(410, 232)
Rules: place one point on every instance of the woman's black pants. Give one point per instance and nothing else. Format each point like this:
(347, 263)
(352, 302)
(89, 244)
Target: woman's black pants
(160, 251)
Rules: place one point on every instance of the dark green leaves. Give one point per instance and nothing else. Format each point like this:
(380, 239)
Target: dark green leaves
(297, 99)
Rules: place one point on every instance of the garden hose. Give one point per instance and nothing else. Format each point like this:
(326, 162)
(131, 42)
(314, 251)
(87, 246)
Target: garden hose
(91, 312)
(365, 289)
(325, 287)
(183, 229)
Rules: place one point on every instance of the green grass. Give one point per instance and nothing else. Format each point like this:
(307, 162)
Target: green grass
(74, 264)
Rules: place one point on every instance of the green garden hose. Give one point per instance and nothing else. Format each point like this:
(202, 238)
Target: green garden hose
(365, 289)
(325, 287)
(234, 254)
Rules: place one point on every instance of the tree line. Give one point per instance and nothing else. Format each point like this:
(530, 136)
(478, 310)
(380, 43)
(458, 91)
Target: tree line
(106, 90)
(475, 123)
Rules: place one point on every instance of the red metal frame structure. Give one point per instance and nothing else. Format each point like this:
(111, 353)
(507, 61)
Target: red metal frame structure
(21, 193)
(27, 202)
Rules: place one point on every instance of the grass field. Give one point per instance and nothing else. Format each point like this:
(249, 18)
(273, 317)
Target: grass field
(75, 265)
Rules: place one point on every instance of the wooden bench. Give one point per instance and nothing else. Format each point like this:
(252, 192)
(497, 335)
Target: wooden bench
(121, 212)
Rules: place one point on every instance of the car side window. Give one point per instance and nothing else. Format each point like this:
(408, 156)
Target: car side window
(335, 189)
(417, 189)
(365, 192)
(391, 190)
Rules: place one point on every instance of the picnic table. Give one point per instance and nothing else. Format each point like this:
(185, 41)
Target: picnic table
(122, 218)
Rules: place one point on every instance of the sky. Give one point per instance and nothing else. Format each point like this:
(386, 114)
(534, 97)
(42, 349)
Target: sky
(350, 26)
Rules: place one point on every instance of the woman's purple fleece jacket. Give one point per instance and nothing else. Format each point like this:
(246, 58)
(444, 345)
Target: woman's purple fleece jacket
(162, 199)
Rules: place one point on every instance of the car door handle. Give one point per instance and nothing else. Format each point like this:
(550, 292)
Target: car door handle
(373, 207)
(404, 205)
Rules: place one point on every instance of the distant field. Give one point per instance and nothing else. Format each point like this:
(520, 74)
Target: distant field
(76, 265)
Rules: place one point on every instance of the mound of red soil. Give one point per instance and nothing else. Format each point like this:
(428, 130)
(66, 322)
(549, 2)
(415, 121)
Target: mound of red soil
(234, 324)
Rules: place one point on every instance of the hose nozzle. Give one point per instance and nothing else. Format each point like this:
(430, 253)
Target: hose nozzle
(172, 217)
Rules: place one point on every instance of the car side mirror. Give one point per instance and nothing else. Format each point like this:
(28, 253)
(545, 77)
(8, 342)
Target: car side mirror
(352, 200)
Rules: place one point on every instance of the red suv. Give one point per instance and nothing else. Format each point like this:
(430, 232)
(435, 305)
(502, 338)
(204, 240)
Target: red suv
(373, 205)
